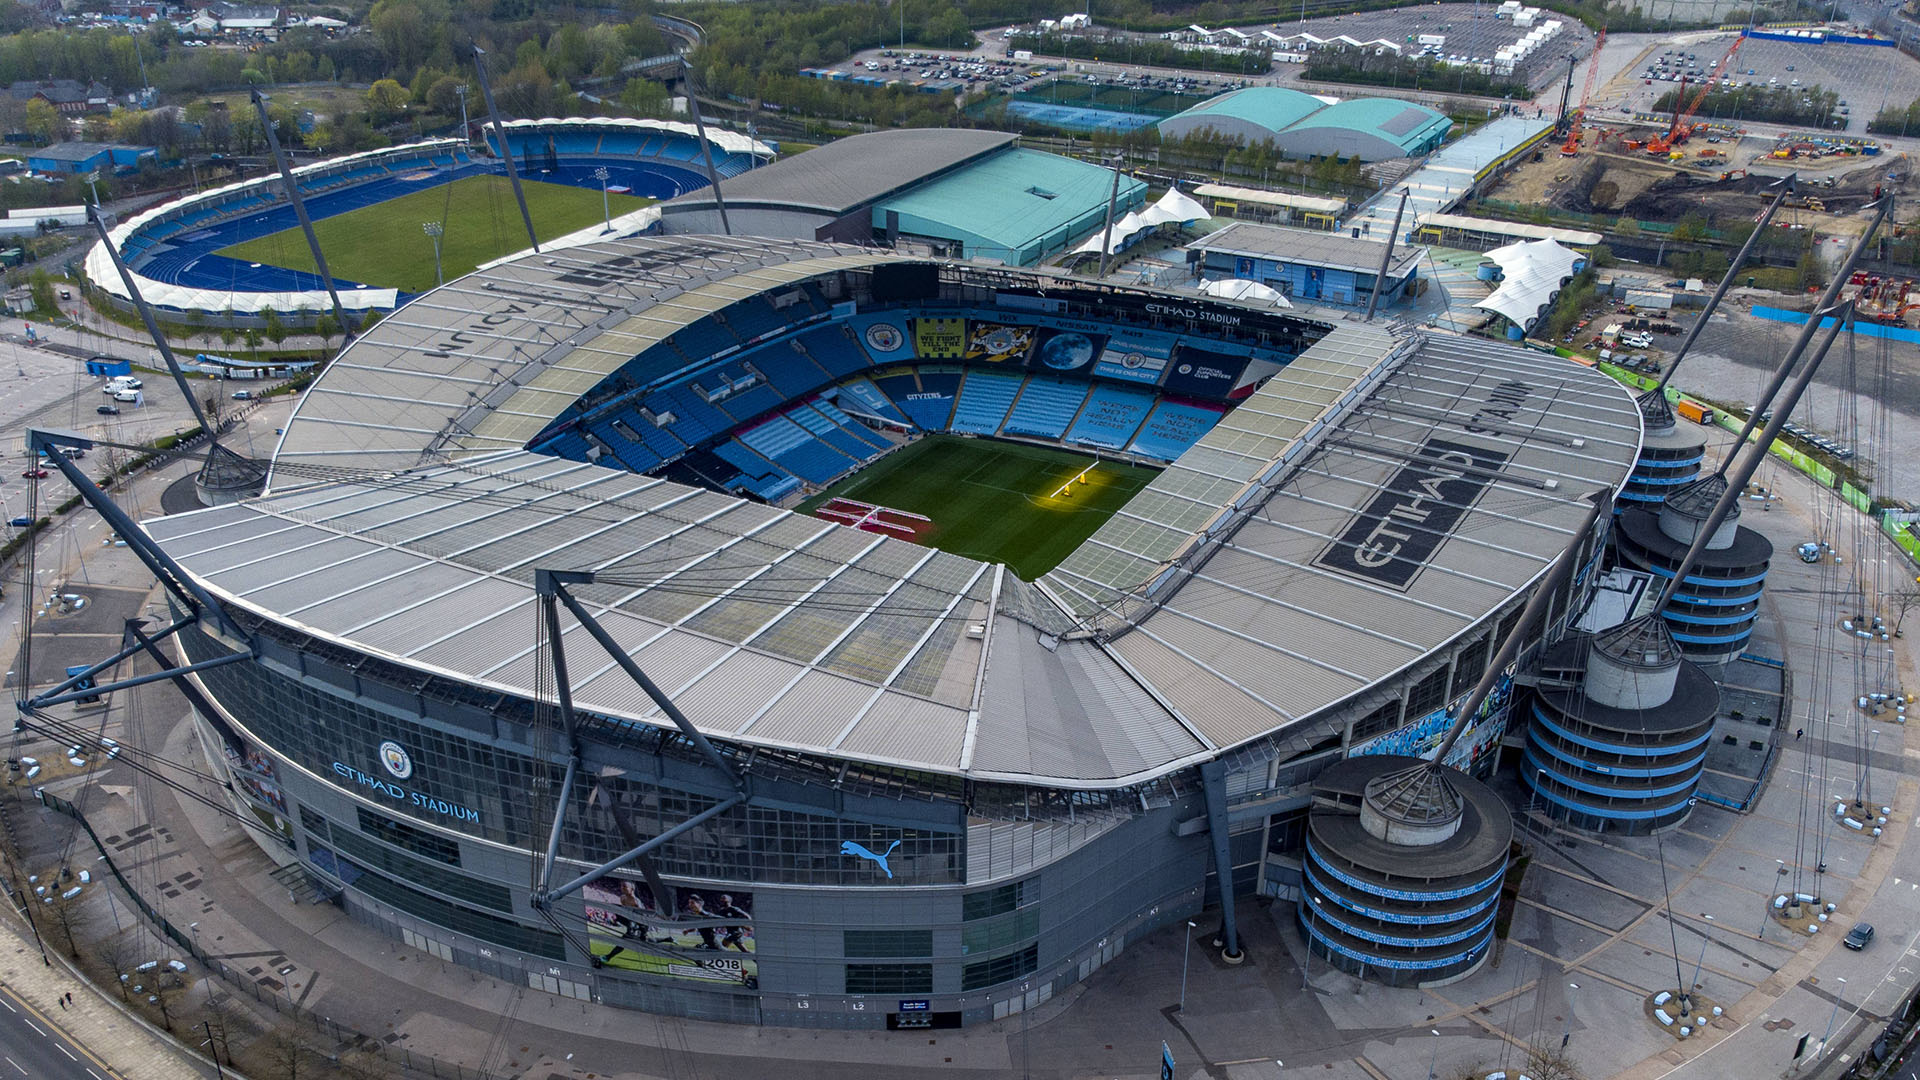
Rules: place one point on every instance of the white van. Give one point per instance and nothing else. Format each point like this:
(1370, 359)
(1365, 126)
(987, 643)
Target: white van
(126, 395)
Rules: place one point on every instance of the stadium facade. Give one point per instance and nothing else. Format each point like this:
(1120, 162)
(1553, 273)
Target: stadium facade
(910, 788)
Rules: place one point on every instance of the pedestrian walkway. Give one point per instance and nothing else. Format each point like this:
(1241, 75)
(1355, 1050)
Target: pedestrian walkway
(118, 1044)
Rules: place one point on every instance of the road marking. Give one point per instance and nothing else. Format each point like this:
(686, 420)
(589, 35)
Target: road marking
(67, 1052)
(35, 1027)
(3, 1001)
(16, 1065)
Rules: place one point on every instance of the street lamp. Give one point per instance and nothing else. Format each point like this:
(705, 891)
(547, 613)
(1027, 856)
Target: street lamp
(1697, 965)
(1766, 906)
(1434, 1059)
(1184, 954)
(460, 91)
(433, 229)
(1566, 1033)
(1831, 1017)
(606, 211)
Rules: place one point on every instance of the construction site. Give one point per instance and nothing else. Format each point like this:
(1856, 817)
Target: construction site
(1636, 175)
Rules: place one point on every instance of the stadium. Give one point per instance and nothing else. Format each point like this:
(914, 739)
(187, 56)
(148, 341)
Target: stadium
(525, 593)
(230, 254)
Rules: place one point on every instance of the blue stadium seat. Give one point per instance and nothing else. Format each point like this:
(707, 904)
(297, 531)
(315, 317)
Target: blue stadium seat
(833, 350)
(1111, 416)
(1046, 407)
(747, 404)
(620, 143)
(790, 372)
(774, 437)
(630, 452)
(816, 462)
(862, 396)
(983, 401)
(751, 318)
(758, 475)
(840, 419)
(814, 417)
(703, 339)
(1172, 428)
(679, 149)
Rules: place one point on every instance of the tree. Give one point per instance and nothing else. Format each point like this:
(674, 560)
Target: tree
(646, 98)
(443, 96)
(42, 120)
(1552, 1063)
(289, 1055)
(387, 99)
(66, 913)
(327, 325)
(41, 287)
(275, 329)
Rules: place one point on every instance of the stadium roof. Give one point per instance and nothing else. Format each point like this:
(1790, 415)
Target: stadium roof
(1225, 602)
(1012, 200)
(841, 176)
(731, 142)
(1412, 128)
(1252, 110)
(1336, 250)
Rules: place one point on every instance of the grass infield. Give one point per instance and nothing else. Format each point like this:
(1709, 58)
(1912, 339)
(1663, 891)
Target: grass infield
(384, 245)
(994, 501)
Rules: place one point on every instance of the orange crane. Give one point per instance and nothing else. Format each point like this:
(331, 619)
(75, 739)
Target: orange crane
(1682, 126)
(1572, 145)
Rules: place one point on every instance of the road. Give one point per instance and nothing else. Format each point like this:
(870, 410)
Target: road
(33, 1044)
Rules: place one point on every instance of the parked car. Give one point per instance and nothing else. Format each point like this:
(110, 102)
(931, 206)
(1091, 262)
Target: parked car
(243, 395)
(1859, 937)
(35, 473)
(108, 410)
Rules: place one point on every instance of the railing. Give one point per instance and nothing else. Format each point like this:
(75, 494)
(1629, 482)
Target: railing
(412, 1063)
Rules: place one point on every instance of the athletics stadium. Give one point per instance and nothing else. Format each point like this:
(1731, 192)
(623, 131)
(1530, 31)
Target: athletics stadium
(227, 255)
(619, 621)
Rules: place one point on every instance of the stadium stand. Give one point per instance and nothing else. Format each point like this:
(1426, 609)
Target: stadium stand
(1174, 426)
(784, 442)
(746, 404)
(1111, 415)
(822, 427)
(862, 396)
(703, 339)
(1046, 407)
(928, 401)
(756, 474)
(983, 401)
(789, 370)
(833, 348)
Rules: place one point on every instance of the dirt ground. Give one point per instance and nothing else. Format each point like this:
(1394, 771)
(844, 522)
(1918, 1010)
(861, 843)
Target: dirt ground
(1634, 185)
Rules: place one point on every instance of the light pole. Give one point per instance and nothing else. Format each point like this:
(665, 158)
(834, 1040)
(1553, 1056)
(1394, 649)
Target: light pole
(1831, 1017)
(1698, 964)
(1184, 954)
(1766, 906)
(606, 212)
(1866, 780)
(460, 92)
(1433, 1060)
(1566, 1033)
(433, 229)
(91, 178)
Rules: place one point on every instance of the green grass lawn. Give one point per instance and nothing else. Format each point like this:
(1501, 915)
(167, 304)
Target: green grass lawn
(385, 246)
(994, 500)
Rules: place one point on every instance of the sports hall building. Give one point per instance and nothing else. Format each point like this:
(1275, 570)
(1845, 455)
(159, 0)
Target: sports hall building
(912, 789)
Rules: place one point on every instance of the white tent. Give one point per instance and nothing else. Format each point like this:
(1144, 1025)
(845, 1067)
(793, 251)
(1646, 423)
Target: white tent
(1532, 273)
(1251, 292)
(1177, 205)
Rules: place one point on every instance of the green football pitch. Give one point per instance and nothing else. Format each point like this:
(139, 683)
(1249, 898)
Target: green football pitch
(384, 245)
(994, 501)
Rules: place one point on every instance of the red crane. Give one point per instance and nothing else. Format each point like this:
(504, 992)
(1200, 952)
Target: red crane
(1683, 118)
(1572, 146)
